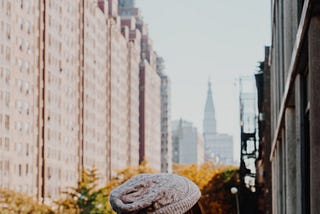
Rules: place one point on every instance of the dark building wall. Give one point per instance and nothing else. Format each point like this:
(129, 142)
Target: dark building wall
(263, 165)
(295, 106)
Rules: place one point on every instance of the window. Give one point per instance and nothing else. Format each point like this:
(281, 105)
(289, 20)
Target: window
(8, 8)
(7, 122)
(27, 108)
(28, 27)
(8, 54)
(27, 66)
(8, 32)
(27, 88)
(27, 128)
(20, 23)
(21, 4)
(19, 106)
(20, 65)
(20, 42)
(7, 99)
(19, 148)
(7, 79)
(28, 49)
(6, 144)
(20, 171)
(27, 149)
(19, 126)
(20, 85)
(49, 173)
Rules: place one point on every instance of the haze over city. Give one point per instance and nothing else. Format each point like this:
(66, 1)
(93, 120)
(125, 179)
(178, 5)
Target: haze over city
(208, 39)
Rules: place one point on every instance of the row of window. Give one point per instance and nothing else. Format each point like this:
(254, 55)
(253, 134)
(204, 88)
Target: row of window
(66, 175)
(26, 65)
(23, 106)
(5, 5)
(24, 170)
(20, 126)
(25, 25)
(24, 87)
(27, 46)
(25, 5)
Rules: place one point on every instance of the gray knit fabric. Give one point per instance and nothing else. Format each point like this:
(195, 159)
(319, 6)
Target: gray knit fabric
(155, 193)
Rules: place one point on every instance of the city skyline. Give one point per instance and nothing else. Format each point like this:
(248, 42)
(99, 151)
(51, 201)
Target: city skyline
(224, 51)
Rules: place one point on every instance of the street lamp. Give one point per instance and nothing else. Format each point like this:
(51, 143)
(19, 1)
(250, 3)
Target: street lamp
(234, 191)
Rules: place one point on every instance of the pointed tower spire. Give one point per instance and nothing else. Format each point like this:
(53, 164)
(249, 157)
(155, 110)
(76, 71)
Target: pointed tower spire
(209, 120)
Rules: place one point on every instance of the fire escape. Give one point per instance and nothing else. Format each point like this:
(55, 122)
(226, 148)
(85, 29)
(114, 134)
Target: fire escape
(249, 144)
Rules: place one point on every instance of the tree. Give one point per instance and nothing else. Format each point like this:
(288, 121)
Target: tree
(12, 202)
(216, 197)
(86, 198)
(214, 183)
(200, 175)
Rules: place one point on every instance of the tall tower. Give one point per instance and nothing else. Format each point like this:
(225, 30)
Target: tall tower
(209, 120)
(209, 126)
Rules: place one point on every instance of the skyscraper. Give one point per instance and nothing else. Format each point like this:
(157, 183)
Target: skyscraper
(218, 147)
(209, 121)
(70, 93)
(187, 145)
(166, 139)
(209, 125)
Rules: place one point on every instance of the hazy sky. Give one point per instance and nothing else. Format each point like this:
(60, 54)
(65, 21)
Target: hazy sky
(202, 39)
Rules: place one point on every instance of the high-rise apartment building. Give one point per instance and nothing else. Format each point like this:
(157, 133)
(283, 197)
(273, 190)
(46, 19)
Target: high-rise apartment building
(18, 96)
(70, 93)
(95, 102)
(166, 139)
(187, 144)
(134, 50)
(150, 110)
(119, 96)
(59, 96)
(149, 89)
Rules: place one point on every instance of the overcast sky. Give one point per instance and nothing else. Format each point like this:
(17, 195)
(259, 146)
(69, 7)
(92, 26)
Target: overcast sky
(202, 39)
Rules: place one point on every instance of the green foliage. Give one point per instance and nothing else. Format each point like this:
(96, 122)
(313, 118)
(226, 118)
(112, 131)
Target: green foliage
(12, 202)
(86, 198)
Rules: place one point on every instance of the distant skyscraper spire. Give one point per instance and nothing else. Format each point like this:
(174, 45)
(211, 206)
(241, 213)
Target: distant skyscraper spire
(209, 120)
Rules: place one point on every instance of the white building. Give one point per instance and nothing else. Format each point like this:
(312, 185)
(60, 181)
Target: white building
(187, 146)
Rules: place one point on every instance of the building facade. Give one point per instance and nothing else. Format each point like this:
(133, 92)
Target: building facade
(295, 78)
(263, 164)
(70, 92)
(187, 144)
(150, 112)
(166, 139)
(19, 96)
(119, 96)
